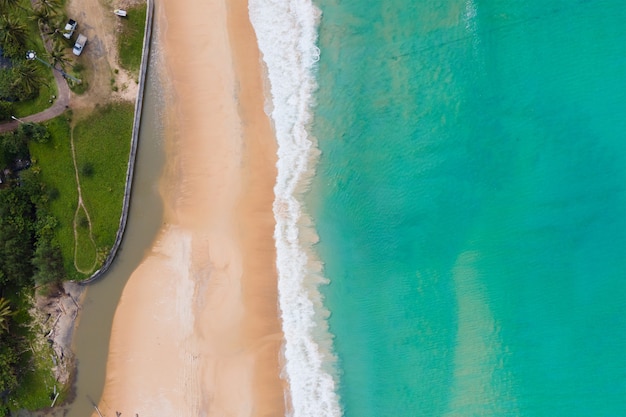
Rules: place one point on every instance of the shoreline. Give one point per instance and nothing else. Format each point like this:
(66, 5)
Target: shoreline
(143, 70)
(256, 227)
(203, 302)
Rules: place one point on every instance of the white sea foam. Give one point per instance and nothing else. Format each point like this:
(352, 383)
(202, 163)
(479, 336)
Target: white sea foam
(287, 33)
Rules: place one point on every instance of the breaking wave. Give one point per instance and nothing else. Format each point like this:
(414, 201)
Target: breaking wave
(287, 33)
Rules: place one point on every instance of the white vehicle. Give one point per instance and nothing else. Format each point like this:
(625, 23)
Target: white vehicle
(70, 27)
(81, 41)
(120, 12)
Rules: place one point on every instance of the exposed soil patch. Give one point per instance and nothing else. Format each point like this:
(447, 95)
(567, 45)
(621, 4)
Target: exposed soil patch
(97, 21)
(57, 314)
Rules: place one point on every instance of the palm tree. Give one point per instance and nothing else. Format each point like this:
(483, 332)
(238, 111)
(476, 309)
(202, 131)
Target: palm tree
(13, 34)
(50, 6)
(47, 14)
(57, 54)
(27, 75)
(5, 314)
(42, 17)
(5, 4)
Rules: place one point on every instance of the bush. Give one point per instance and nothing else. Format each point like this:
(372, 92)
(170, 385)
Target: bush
(87, 170)
(14, 146)
(53, 193)
(6, 80)
(17, 234)
(6, 110)
(8, 363)
(22, 81)
(33, 131)
(83, 222)
(48, 263)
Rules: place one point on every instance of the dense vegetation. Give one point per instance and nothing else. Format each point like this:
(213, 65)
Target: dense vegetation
(44, 237)
(29, 254)
(38, 198)
(26, 226)
(26, 86)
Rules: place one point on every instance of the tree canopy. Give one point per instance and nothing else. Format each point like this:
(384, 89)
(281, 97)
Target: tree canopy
(13, 35)
(29, 254)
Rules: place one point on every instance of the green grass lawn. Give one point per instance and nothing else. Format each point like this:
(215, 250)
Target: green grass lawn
(39, 103)
(54, 159)
(86, 257)
(131, 39)
(102, 144)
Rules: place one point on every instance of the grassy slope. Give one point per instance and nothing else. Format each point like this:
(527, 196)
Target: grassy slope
(103, 141)
(57, 172)
(131, 38)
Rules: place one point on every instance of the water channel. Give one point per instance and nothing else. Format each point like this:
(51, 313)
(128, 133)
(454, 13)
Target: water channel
(144, 218)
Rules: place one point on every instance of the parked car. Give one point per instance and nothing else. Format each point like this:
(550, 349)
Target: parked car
(81, 41)
(70, 27)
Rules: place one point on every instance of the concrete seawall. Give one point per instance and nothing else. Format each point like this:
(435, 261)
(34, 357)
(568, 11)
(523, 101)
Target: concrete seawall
(145, 54)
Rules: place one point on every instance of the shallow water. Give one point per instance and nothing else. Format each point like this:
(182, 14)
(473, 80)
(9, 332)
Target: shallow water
(470, 200)
(470, 203)
(145, 217)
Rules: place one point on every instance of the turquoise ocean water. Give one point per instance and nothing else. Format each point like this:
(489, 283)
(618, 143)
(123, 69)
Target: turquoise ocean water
(470, 200)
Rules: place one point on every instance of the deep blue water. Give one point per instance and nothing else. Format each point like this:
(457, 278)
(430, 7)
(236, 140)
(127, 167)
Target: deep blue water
(470, 200)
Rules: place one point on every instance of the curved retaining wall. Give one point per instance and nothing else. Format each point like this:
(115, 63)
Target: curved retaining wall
(145, 53)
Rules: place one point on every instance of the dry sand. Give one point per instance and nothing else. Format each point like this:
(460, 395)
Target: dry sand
(196, 332)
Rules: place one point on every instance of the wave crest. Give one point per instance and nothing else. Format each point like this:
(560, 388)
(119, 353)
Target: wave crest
(287, 34)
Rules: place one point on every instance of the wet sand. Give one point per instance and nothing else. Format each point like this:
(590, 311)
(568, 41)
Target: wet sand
(196, 331)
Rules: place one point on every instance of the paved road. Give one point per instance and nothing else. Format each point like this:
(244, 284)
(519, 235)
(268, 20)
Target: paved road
(60, 104)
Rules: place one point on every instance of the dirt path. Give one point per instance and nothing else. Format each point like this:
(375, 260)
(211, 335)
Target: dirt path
(81, 206)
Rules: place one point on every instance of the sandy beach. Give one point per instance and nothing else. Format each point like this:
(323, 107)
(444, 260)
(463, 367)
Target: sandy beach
(196, 332)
